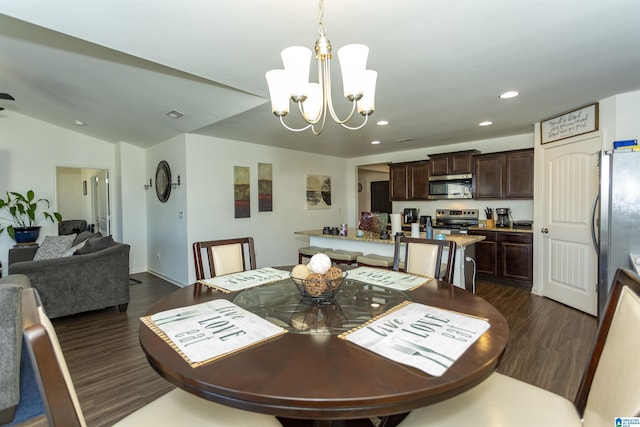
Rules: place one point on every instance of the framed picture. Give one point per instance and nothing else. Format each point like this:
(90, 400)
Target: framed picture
(241, 192)
(318, 192)
(265, 187)
(576, 122)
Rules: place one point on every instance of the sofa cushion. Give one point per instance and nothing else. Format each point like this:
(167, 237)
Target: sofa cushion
(95, 245)
(54, 247)
(82, 237)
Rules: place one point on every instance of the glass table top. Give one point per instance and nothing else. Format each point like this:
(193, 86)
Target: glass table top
(354, 304)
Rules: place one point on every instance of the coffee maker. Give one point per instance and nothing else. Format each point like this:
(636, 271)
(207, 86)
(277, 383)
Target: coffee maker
(503, 217)
(410, 215)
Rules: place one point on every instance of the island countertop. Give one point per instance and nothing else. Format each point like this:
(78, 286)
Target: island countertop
(462, 240)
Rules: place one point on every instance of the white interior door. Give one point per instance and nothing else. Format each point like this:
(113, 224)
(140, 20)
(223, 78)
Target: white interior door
(569, 261)
(100, 202)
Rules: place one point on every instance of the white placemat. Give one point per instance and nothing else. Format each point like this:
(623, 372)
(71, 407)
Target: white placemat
(245, 279)
(428, 338)
(388, 278)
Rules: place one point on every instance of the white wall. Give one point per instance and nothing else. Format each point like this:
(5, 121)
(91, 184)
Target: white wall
(133, 203)
(69, 195)
(209, 187)
(167, 250)
(31, 149)
(620, 118)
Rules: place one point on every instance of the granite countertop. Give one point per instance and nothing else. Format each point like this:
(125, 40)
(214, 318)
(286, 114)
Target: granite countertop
(503, 229)
(461, 240)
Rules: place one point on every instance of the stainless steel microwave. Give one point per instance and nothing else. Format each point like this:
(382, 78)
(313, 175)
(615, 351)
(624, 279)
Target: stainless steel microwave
(451, 187)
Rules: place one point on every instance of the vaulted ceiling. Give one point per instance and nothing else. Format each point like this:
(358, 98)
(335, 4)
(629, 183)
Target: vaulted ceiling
(120, 66)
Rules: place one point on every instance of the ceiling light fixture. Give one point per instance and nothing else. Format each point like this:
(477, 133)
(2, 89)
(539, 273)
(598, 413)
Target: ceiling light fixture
(509, 94)
(375, 142)
(175, 114)
(485, 123)
(382, 123)
(314, 99)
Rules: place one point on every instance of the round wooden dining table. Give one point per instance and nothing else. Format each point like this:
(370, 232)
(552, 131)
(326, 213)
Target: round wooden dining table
(311, 373)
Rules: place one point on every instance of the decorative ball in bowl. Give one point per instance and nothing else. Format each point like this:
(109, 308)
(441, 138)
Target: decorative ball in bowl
(317, 282)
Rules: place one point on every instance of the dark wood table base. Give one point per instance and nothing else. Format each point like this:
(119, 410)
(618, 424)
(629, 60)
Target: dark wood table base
(390, 421)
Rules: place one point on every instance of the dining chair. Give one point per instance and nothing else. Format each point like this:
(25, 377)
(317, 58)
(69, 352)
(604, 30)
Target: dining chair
(610, 386)
(176, 408)
(425, 257)
(223, 257)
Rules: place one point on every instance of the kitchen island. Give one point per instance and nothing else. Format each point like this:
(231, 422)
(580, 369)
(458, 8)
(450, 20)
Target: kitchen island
(371, 243)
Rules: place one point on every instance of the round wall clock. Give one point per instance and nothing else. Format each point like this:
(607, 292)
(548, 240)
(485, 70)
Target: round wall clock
(163, 181)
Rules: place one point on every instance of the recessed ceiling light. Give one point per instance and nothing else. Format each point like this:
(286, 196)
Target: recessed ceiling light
(382, 123)
(509, 94)
(80, 123)
(175, 114)
(485, 123)
(376, 142)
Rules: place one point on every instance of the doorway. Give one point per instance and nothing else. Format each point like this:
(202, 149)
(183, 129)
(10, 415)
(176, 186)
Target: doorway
(380, 201)
(83, 193)
(372, 180)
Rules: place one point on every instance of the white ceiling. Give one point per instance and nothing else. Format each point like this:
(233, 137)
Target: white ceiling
(120, 66)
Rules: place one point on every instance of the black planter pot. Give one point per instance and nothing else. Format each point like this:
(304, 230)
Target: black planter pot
(26, 234)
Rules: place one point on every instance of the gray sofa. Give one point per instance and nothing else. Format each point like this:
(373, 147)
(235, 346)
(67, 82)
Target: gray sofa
(96, 277)
(10, 343)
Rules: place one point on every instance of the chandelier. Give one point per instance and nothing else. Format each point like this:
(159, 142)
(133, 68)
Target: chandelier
(314, 99)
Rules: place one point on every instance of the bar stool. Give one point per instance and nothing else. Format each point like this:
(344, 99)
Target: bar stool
(375, 260)
(340, 256)
(309, 251)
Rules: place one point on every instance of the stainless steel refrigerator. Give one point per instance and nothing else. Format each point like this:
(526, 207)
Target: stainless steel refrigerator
(619, 217)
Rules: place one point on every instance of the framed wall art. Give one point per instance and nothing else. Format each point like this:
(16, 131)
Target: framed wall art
(573, 123)
(265, 187)
(241, 192)
(318, 192)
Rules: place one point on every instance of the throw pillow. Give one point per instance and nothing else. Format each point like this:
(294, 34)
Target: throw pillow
(73, 249)
(82, 237)
(54, 247)
(95, 245)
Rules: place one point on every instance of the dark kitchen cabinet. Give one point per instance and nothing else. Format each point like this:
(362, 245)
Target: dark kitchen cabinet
(489, 175)
(418, 180)
(505, 256)
(409, 181)
(451, 164)
(516, 256)
(505, 175)
(519, 174)
(398, 182)
(486, 253)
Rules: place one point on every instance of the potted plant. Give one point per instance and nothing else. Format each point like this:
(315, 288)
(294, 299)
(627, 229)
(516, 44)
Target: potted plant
(25, 213)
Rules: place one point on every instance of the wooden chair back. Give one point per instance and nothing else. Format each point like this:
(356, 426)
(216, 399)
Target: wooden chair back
(56, 388)
(425, 257)
(610, 386)
(217, 257)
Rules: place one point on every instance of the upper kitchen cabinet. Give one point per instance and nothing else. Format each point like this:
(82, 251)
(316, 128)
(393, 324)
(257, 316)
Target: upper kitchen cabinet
(505, 175)
(451, 164)
(409, 181)
(398, 188)
(519, 174)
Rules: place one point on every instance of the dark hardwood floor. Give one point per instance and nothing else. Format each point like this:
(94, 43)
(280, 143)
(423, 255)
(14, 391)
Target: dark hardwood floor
(549, 346)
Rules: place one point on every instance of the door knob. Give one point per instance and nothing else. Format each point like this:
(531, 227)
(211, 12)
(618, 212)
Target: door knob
(545, 230)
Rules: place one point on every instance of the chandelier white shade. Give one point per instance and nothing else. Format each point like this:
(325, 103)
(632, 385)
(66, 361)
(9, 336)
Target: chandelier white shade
(291, 84)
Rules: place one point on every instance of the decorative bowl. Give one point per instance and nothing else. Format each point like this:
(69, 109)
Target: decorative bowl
(318, 289)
